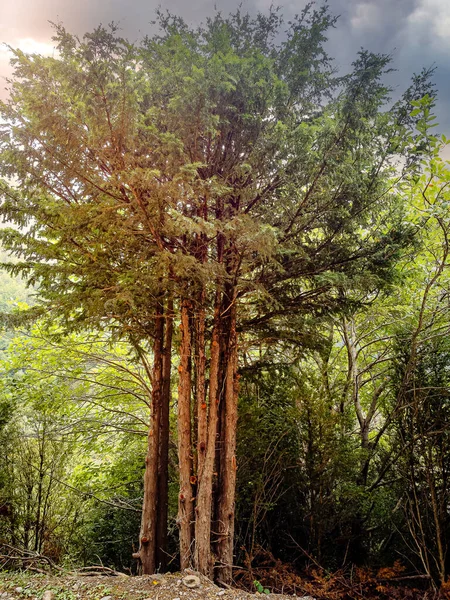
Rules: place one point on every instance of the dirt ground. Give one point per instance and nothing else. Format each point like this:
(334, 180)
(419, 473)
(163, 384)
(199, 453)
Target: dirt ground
(174, 586)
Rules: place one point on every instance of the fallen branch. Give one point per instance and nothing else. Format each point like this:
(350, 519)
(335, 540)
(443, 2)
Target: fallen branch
(404, 578)
(26, 556)
(94, 570)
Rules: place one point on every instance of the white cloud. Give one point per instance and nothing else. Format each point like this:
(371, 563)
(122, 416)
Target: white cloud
(430, 23)
(367, 16)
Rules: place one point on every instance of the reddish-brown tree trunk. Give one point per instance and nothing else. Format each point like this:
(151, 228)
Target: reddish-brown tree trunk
(227, 488)
(147, 547)
(202, 413)
(185, 501)
(203, 556)
(164, 435)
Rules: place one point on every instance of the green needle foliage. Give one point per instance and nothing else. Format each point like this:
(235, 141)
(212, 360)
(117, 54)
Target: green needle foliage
(120, 156)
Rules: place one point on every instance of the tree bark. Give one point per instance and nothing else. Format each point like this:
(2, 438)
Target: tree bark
(164, 435)
(226, 500)
(38, 524)
(441, 550)
(185, 500)
(203, 556)
(147, 538)
(202, 414)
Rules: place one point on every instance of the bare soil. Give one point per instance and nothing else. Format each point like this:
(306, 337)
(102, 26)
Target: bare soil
(76, 586)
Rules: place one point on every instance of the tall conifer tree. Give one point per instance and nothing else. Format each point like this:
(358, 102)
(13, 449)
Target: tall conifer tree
(216, 176)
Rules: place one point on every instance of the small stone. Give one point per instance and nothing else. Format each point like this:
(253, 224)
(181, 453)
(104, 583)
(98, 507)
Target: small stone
(221, 593)
(176, 599)
(48, 595)
(19, 590)
(106, 598)
(191, 581)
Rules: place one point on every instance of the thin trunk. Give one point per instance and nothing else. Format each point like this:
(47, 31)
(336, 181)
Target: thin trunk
(27, 523)
(363, 475)
(46, 502)
(417, 524)
(356, 549)
(226, 503)
(147, 549)
(185, 500)
(39, 492)
(203, 556)
(164, 435)
(440, 560)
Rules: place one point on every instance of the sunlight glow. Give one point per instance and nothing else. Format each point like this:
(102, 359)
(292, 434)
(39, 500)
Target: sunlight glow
(32, 46)
(28, 45)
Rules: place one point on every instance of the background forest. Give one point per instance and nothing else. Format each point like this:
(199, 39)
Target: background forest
(227, 307)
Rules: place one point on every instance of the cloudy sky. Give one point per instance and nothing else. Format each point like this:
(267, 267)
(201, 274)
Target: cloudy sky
(415, 32)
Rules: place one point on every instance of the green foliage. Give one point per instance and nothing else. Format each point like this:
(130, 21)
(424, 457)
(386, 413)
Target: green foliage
(260, 588)
(109, 525)
(74, 441)
(124, 157)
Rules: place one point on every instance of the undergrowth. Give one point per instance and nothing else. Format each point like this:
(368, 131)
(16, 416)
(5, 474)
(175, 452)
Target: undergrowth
(353, 583)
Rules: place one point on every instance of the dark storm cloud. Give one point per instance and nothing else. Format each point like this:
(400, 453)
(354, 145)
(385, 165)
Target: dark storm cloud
(414, 32)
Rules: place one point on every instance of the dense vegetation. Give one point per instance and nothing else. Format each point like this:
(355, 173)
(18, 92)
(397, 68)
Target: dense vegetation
(238, 336)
